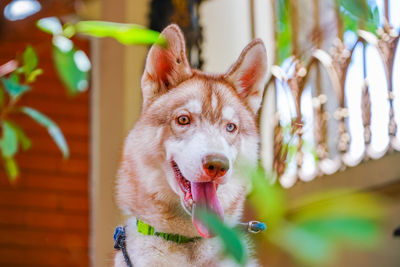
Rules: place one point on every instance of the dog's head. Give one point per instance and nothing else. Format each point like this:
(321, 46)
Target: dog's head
(193, 130)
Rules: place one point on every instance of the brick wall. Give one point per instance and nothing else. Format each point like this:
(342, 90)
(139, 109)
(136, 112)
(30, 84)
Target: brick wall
(44, 216)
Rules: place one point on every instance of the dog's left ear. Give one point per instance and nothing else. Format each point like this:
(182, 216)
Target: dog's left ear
(248, 74)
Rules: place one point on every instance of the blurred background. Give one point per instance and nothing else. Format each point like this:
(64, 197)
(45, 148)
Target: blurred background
(329, 120)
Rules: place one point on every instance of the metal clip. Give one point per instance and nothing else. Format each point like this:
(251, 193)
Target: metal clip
(254, 227)
(119, 237)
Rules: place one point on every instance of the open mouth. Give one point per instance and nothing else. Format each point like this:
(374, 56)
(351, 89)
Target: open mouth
(199, 195)
(185, 186)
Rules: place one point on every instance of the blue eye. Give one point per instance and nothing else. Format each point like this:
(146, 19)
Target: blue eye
(231, 127)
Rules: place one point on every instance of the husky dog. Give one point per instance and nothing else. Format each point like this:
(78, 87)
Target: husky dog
(184, 151)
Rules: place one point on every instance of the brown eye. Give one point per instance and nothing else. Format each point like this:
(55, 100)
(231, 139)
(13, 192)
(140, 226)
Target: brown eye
(183, 120)
(231, 127)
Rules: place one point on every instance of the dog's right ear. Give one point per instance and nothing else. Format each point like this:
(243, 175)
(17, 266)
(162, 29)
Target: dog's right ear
(165, 67)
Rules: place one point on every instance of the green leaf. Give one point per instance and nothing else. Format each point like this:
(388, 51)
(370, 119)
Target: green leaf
(32, 76)
(51, 126)
(9, 141)
(23, 139)
(358, 14)
(11, 168)
(373, 20)
(229, 237)
(360, 232)
(30, 60)
(13, 87)
(50, 25)
(72, 66)
(124, 33)
(68, 30)
(357, 8)
(350, 23)
(338, 204)
(307, 247)
(268, 199)
(284, 31)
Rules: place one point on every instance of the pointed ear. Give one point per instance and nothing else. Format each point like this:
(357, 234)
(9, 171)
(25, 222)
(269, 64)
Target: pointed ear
(165, 67)
(248, 74)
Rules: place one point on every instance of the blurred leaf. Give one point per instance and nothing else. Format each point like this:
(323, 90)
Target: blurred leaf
(354, 231)
(229, 237)
(30, 60)
(68, 66)
(338, 204)
(52, 128)
(32, 76)
(124, 33)
(21, 136)
(50, 25)
(268, 199)
(9, 141)
(373, 20)
(317, 242)
(11, 168)
(359, 14)
(68, 30)
(307, 247)
(357, 8)
(284, 31)
(13, 87)
(350, 23)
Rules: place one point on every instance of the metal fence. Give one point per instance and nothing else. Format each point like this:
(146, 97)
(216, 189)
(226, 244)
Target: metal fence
(329, 70)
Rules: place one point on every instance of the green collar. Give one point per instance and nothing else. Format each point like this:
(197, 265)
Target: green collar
(147, 229)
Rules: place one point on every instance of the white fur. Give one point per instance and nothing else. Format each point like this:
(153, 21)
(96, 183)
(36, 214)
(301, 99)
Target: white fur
(214, 102)
(194, 106)
(188, 153)
(228, 113)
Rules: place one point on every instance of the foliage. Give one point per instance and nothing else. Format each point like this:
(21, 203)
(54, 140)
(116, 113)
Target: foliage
(315, 231)
(231, 238)
(72, 64)
(284, 31)
(52, 128)
(124, 33)
(73, 67)
(322, 225)
(357, 14)
(12, 89)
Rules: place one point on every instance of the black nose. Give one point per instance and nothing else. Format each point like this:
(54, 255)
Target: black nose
(215, 165)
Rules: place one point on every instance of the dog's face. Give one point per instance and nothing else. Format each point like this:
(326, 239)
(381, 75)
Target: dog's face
(194, 129)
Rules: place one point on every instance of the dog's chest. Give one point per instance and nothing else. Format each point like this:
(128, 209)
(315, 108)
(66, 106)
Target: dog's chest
(154, 251)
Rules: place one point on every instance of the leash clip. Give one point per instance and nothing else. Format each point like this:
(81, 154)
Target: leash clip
(119, 237)
(256, 227)
(119, 244)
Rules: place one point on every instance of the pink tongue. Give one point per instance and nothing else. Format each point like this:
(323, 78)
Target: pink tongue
(205, 196)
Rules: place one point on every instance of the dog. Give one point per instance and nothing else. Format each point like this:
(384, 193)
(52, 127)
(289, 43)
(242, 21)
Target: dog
(194, 130)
